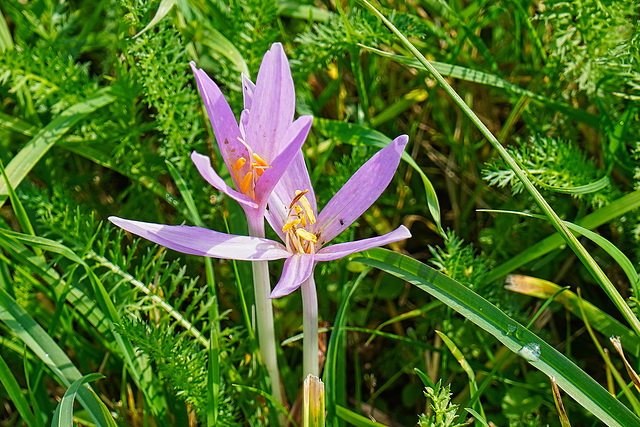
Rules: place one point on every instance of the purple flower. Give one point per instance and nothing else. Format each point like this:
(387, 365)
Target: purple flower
(293, 215)
(258, 149)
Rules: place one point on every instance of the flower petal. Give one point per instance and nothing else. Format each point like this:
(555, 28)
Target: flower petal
(204, 242)
(272, 105)
(296, 270)
(343, 249)
(361, 191)
(203, 164)
(221, 117)
(295, 137)
(247, 90)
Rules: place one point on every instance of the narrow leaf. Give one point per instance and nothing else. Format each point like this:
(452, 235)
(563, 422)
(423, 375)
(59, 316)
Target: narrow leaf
(164, 8)
(514, 336)
(33, 151)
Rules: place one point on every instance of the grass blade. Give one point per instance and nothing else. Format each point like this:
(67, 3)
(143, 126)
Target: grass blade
(603, 215)
(31, 333)
(355, 419)
(600, 320)
(331, 362)
(29, 156)
(15, 394)
(488, 79)
(63, 415)
(487, 316)
(575, 245)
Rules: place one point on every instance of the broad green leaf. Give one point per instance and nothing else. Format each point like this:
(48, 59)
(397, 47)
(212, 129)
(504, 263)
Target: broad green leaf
(610, 248)
(137, 365)
(354, 134)
(574, 381)
(6, 41)
(581, 189)
(85, 305)
(33, 151)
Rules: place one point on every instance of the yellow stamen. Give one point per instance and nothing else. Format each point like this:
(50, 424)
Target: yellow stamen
(289, 225)
(245, 185)
(299, 194)
(240, 163)
(306, 235)
(307, 209)
(259, 160)
(303, 220)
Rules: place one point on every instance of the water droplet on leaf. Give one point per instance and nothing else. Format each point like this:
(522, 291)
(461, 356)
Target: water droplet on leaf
(531, 352)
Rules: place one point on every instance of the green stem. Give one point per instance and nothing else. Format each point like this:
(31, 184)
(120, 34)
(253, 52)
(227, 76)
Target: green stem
(571, 240)
(311, 364)
(264, 313)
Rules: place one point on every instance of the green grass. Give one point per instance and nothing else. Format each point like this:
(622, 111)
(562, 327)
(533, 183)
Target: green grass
(510, 107)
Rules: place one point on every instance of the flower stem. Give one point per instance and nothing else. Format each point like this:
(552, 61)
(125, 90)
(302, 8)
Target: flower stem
(264, 313)
(310, 365)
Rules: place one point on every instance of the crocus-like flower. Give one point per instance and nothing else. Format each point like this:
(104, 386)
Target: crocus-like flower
(292, 214)
(257, 151)
(259, 148)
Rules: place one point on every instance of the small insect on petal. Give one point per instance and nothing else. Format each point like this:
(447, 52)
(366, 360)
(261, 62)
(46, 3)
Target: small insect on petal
(304, 234)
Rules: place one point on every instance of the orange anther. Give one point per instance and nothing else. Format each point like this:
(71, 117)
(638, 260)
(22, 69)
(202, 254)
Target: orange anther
(259, 160)
(245, 185)
(240, 163)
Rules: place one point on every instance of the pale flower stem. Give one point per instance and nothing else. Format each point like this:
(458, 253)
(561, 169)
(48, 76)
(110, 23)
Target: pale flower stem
(310, 365)
(264, 313)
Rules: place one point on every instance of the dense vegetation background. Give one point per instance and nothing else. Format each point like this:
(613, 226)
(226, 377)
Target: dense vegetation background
(99, 113)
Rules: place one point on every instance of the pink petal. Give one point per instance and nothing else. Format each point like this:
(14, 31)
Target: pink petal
(296, 270)
(203, 164)
(273, 104)
(294, 138)
(247, 90)
(221, 117)
(343, 249)
(204, 242)
(361, 191)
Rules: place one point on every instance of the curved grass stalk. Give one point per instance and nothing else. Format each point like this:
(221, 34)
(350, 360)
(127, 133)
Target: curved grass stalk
(580, 251)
